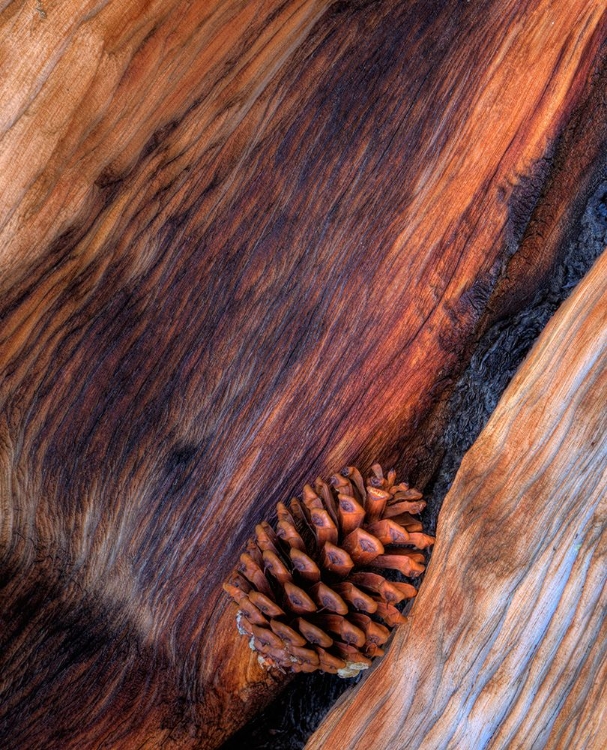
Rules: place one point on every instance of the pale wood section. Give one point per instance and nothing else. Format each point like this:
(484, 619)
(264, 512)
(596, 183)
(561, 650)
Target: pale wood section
(507, 641)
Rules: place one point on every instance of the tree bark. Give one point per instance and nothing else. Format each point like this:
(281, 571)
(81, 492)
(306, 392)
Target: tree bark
(243, 244)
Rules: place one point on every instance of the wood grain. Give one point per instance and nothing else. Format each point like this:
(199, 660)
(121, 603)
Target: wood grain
(243, 243)
(507, 642)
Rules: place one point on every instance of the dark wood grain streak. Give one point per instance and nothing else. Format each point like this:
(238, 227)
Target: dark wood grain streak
(249, 243)
(576, 168)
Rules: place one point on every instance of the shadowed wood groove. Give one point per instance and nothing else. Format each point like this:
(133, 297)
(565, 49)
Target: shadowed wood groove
(507, 641)
(242, 244)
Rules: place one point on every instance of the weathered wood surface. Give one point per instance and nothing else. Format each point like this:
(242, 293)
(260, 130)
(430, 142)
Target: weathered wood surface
(242, 243)
(507, 641)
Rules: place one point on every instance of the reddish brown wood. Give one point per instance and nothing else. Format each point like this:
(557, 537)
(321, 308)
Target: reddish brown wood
(243, 244)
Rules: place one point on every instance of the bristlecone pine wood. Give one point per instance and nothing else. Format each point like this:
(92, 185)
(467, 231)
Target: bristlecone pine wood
(506, 646)
(309, 593)
(242, 243)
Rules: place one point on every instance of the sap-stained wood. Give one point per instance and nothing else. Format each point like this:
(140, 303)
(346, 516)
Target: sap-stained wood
(242, 244)
(507, 641)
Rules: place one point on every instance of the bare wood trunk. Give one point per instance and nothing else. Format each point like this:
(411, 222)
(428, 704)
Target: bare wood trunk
(242, 244)
(507, 641)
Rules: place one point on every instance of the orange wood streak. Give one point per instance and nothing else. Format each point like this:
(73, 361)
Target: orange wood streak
(242, 244)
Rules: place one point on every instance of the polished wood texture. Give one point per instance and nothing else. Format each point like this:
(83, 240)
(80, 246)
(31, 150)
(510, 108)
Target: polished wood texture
(507, 641)
(242, 244)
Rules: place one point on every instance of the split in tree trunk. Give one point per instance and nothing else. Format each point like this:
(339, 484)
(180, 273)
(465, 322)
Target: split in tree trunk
(507, 641)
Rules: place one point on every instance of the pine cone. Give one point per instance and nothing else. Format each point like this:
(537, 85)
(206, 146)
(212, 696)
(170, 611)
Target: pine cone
(308, 593)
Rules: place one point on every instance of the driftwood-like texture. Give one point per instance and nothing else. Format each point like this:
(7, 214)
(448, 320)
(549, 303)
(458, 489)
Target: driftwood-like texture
(243, 243)
(507, 641)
